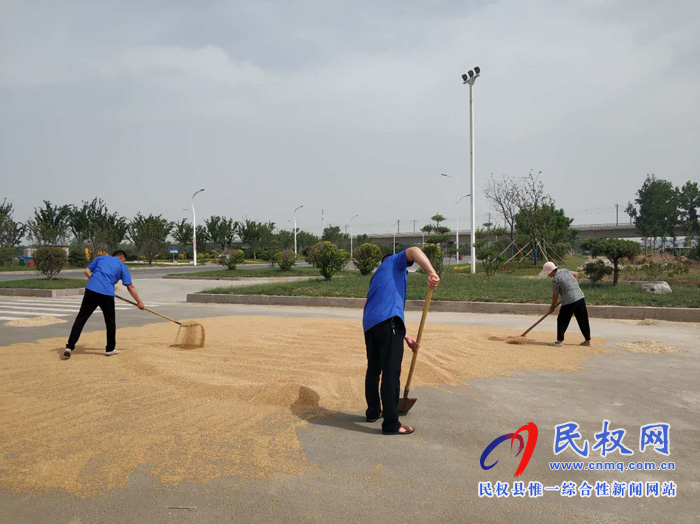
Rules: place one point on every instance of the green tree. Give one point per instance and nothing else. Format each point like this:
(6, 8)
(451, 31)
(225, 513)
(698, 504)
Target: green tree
(631, 211)
(658, 208)
(305, 240)
(336, 236)
(538, 219)
(50, 224)
(221, 231)
(688, 198)
(203, 240)
(439, 234)
(363, 239)
(94, 227)
(182, 234)
(491, 259)
(285, 239)
(256, 235)
(328, 258)
(149, 234)
(367, 257)
(11, 232)
(614, 249)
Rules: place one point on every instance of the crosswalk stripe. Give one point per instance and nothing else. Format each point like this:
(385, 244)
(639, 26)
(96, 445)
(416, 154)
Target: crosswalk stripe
(35, 313)
(59, 302)
(13, 305)
(12, 318)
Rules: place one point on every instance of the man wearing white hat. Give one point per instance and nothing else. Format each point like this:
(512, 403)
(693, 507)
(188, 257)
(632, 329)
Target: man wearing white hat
(573, 302)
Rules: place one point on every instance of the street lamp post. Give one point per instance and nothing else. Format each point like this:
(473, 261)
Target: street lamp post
(458, 201)
(194, 227)
(469, 78)
(295, 229)
(459, 190)
(351, 235)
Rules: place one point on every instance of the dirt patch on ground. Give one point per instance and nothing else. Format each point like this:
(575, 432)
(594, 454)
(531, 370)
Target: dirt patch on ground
(230, 409)
(648, 322)
(648, 346)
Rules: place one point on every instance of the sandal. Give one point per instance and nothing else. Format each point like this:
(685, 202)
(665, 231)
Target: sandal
(407, 430)
(557, 345)
(585, 343)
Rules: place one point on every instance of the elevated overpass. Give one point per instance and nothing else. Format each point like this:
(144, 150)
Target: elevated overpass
(586, 231)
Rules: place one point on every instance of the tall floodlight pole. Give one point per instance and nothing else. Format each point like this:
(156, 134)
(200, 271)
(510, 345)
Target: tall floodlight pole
(351, 235)
(457, 203)
(295, 228)
(469, 78)
(194, 227)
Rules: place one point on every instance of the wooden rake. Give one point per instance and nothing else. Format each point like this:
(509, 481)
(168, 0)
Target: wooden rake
(405, 403)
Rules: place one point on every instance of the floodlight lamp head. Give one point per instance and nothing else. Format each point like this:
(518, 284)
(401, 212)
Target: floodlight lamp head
(465, 78)
(471, 73)
(477, 70)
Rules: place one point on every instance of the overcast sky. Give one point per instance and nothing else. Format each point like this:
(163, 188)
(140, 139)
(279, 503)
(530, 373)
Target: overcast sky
(353, 107)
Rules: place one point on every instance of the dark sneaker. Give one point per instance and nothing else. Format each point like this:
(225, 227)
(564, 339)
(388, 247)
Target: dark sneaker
(67, 353)
(113, 352)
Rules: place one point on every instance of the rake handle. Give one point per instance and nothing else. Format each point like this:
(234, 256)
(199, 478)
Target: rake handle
(149, 310)
(540, 320)
(426, 306)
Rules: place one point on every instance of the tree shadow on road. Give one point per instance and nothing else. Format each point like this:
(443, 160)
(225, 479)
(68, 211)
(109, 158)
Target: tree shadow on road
(307, 408)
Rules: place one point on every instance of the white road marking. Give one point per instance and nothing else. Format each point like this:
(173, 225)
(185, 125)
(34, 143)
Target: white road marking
(13, 305)
(35, 313)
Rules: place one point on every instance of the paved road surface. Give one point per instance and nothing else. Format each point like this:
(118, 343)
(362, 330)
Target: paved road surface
(432, 476)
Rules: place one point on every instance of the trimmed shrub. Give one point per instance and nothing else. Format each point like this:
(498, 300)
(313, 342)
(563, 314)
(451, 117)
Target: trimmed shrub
(50, 261)
(367, 257)
(597, 270)
(435, 255)
(328, 258)
(614, 249)
(491, 259)
(286, 260)
(236, 257)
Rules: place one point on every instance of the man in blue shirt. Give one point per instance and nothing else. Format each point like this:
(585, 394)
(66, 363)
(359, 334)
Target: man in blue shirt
(103, 273)
(385, 332)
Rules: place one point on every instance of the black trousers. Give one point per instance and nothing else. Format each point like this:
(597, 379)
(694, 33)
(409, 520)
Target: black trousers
(384, 355)
(92, 301)
(578, 309)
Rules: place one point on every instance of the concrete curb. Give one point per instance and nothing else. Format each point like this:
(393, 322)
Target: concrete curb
(50, 293)
(447, 306)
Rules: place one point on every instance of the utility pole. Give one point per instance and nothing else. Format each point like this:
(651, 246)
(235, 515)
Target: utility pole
(617, 214)
(321, 221)
(414, 227)
(398, 225)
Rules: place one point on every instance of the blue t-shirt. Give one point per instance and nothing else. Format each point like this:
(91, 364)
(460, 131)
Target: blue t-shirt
(107, 271)
(387, 291)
